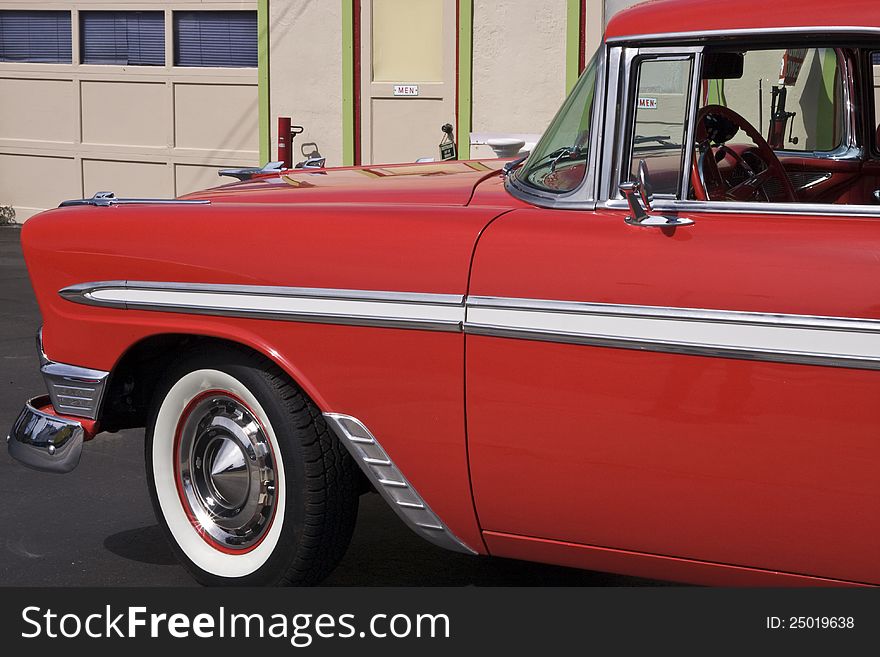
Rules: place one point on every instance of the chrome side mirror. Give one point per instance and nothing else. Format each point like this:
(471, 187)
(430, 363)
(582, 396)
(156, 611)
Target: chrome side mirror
(646, 192)
(632, 192)
(640, 197)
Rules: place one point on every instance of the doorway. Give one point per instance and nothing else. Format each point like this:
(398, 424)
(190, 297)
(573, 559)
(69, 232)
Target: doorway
(408, 78)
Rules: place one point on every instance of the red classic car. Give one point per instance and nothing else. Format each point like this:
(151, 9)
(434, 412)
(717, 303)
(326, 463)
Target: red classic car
(651, 348)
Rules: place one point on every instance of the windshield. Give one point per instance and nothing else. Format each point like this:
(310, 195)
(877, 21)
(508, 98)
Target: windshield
(559, 161)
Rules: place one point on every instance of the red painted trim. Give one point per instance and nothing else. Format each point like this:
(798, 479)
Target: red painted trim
(356, 48)
(178, 483)
(582, 43)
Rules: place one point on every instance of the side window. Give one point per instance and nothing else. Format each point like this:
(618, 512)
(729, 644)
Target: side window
(767, 121)
(792, 96)
(660, 118)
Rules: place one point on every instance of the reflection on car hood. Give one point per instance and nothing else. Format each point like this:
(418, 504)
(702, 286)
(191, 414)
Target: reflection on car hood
(434, 183)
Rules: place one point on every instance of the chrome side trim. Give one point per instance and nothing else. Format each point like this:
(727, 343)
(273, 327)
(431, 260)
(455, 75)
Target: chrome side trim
(685, 314)
(74, 390)
(790, 338)
(43, 441)
(804, 339)
(392, 484)
(432, 312)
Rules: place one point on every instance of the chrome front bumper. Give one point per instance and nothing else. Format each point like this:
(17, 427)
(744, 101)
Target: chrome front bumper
(41, 438)
(44, 441)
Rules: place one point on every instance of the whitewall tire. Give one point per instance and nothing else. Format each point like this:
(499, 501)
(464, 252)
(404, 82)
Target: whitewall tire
(247, 481)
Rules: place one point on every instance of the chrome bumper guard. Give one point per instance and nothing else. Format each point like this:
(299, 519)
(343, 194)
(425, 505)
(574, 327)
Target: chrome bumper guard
(74, 390)
(43, 441)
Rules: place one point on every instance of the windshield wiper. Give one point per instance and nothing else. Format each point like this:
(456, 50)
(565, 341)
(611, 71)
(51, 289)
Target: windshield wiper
(555, 157)
(511, 166)
(663, 140)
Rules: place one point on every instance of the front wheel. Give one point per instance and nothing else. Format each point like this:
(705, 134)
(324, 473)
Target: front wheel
(245, 477)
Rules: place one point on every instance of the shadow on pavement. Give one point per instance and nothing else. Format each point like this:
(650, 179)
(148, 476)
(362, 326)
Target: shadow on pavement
(144, 545)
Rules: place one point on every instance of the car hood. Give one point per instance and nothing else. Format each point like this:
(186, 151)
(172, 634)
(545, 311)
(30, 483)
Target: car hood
(432, 183)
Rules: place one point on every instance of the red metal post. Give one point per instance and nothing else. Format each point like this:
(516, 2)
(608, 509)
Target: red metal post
(285, 145)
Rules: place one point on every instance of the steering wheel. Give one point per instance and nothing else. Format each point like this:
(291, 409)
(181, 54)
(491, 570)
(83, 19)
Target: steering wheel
(710, 185)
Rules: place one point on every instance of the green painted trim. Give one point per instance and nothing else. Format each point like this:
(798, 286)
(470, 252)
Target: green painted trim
(572, 43)
(825, 119)
(263, 80)
(348, 82)
(465, 77)
(716, 93)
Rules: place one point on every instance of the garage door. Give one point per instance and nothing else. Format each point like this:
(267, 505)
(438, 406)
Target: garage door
(143, 103)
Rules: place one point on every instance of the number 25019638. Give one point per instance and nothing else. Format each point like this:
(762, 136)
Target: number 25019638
(810, 623)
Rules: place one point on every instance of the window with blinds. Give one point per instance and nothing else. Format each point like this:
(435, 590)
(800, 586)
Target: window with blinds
(35, 36)
(127, 38)
(215, 38)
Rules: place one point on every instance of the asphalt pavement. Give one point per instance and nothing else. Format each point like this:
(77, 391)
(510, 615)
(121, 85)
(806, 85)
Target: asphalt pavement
(95, 525)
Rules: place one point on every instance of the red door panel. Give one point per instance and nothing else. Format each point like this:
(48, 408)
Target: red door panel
(748, 463)
(823, 180)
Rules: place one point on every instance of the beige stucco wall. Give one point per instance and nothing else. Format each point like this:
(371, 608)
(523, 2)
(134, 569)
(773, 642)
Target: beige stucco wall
(519, 66)
(70, 130)
(305, 73)
(594, 29)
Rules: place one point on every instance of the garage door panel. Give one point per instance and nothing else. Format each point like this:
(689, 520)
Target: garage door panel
(207, 116)
(32, 182)
(68, 130)
(126, 113)
(195, 177)
(33, 113)
(132, 179)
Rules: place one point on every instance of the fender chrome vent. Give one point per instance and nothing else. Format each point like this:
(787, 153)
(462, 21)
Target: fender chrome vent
(391, 484)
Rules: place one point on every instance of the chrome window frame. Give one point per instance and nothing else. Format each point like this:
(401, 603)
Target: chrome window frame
(599, 187)
(627, 90)
(585, 194)
(627, 48)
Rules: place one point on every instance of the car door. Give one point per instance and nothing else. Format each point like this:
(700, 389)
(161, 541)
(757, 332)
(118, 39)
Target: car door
(707, 392)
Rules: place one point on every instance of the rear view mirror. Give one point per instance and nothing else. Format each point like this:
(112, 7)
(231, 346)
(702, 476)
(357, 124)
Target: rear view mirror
(723, 66)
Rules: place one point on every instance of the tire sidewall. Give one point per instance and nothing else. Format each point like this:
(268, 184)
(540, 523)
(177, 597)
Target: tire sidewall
(267, 562)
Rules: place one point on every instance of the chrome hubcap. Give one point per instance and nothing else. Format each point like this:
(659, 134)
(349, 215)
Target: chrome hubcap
(226, 469)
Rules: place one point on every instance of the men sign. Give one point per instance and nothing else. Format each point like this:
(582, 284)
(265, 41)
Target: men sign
(406, 90)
